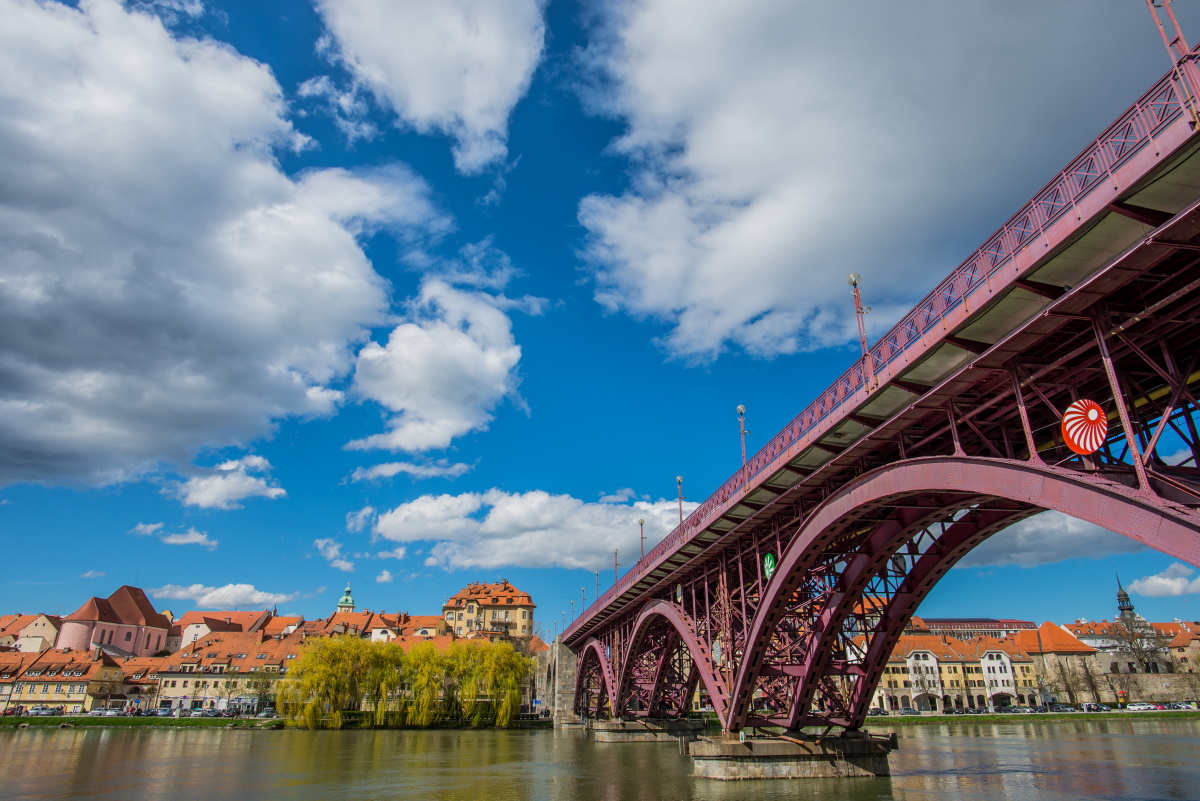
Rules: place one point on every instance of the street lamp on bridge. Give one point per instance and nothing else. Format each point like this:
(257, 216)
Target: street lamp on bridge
(616, 564)
(860, 312)
(679, 483)
(597, 585)
(741, 410)
(642, 532)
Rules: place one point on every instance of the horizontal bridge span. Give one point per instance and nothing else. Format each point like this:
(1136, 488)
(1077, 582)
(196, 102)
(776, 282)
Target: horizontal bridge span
(1106, 233)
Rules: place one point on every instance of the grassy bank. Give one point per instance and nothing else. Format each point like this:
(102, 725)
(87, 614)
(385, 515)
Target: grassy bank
(896, 721)
(88, 722)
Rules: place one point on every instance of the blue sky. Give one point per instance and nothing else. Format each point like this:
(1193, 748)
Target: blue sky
(416, 294)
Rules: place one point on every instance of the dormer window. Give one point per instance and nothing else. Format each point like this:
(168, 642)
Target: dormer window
(261, 656)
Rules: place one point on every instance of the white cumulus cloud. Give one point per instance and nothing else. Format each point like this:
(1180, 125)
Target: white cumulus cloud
(443, 469)
(164, 286)
(146, 529)
(385, 577)
(190, 537)
(226, 597)
(1175, 580)
(331, 551)
(456, 67)
(776, 147)
(229, 482)
(443, 370)
(531, 529)
(1046, 538)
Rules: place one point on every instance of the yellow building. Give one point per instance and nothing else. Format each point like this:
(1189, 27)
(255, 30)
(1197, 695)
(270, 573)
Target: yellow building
(77, 681)
(490, 607)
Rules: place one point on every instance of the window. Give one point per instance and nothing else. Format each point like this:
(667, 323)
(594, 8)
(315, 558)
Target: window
(506, 614)
(110, 634)
(524, 614)
(185, 684)
(58, 688)
(261, 656)
(128, 636)
(45, 688)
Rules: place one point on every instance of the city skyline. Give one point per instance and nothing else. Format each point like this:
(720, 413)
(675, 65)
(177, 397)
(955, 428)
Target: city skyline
(295, 298)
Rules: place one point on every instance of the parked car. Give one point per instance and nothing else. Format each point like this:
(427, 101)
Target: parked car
(1143, 707)
(269, 712)
(43, 711)
(877, 712)
(1179, 705)
(975, 710)
(908, 710)
(951, 711)
(1063, 708)
(1089, 707)
(196, 713)
(164, 712)
(115, 712)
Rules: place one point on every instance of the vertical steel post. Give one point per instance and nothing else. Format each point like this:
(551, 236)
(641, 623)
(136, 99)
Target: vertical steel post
(1139, 468)
(741, 410)
(1023, 413)
(679, 484)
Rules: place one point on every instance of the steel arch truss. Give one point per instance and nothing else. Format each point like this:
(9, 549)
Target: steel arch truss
(856, 570)
(594, 681)
(665, 662)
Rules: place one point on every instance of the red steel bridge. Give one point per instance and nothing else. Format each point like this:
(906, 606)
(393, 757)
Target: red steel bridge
(784, 592)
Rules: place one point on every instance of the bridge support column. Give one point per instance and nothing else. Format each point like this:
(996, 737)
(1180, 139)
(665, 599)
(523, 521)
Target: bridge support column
(556, 684)
(793, 757)
(646, 731)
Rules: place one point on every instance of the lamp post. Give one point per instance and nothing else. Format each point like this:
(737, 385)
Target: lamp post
(642, 533)
(597, 585)
(679, 483)
(741, 410)
(572, 610)
(860, 312)
(616, 565)
(582, 599)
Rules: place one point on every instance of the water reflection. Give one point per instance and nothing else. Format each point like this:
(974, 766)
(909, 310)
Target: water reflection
(1076, 760)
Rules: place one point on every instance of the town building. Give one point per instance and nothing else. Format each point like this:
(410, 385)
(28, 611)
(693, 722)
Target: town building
(29, 633)
(931, 673)
(490, 607)
(193, 625)
(966, 628)
(225, 670)
(125, 624)
(77, 681)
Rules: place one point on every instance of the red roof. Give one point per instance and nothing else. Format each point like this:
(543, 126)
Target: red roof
(1054, 640)
(128, 606)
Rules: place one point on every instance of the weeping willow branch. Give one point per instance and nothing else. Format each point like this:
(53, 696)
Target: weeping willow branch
(478, 681)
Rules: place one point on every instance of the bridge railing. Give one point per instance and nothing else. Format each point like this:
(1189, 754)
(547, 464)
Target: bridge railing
(1166, 101)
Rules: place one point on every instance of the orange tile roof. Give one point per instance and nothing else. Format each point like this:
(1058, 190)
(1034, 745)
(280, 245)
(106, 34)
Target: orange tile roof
(537, 645)
(490, 594)
(128, 606)
(276, 625)
(12, 624)
(1054, 640)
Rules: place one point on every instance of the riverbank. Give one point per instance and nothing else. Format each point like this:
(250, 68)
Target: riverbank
(893, 721)
(245, 724)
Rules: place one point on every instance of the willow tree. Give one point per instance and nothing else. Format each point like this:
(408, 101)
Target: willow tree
(428, 684)
(490, 678)
(335, 675)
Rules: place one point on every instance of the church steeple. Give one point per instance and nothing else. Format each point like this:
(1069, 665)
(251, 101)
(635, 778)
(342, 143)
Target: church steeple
(347, 602)
(1124, 605)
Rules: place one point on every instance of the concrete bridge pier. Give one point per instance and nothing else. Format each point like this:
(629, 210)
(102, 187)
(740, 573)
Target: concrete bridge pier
(556, 684)
(646, 731)
(793, 756)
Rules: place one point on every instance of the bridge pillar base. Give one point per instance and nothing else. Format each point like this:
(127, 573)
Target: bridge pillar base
(646, 731)
(792, 758)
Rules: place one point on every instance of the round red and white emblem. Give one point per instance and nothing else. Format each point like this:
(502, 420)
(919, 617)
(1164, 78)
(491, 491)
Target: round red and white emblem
(1084, 426)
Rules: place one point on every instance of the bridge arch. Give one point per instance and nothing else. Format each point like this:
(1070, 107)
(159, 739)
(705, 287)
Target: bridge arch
(594, 681)
(892, 534)
(649, 652)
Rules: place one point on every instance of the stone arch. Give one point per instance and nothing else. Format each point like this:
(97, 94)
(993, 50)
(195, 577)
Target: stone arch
(971, 499)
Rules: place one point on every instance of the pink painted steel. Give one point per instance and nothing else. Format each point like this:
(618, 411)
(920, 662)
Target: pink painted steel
(682, 623)
(1131, 148)
(1035, 487)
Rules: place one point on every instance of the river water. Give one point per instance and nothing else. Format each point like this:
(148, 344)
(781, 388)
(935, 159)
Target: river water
(1155, 759)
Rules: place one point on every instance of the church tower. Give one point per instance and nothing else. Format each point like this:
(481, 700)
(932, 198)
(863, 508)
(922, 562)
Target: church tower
(1124, 605)
(347, 602)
